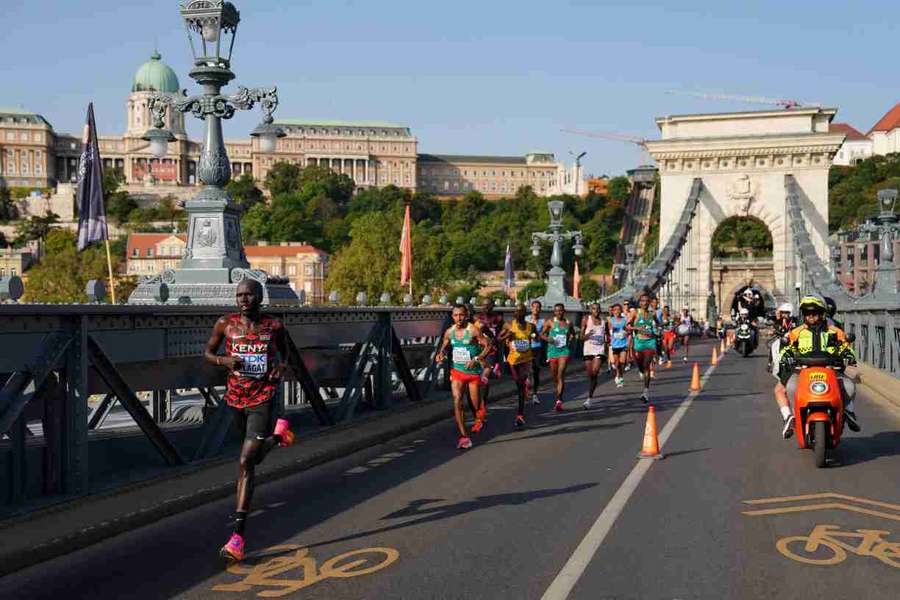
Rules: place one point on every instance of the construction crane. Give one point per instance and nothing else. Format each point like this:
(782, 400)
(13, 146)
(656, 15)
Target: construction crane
(617, 137)
(786, 103)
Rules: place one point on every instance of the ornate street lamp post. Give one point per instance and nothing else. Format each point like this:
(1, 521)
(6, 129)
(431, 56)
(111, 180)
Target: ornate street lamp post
(885, 280)
(556, 292)
(214, 261)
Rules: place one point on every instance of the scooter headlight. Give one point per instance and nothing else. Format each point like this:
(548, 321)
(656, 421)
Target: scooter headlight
(818, 387)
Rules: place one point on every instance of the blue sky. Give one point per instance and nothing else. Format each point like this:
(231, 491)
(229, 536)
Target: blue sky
(488, 77)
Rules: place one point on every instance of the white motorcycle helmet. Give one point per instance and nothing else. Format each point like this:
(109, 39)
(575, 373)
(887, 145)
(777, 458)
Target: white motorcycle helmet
(787, 308)
(744, 312)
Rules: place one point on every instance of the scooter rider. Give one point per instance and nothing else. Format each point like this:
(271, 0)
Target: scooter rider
(815, 336)
(784, 323)
(744, 317)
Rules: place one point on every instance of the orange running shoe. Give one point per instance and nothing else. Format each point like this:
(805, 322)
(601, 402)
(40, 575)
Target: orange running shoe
(477, 425)
(234, 549)
(520, 421)
(282, 428)
(482, 413)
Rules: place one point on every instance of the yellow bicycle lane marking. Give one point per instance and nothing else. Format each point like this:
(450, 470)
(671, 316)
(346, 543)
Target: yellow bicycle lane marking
(823, 506)
(266, 574)
(870, 542)
(828, 545)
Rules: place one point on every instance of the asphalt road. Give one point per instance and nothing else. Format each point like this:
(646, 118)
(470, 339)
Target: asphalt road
(421, 519)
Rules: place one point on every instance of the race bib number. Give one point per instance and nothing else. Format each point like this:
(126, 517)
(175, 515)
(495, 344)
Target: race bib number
(682, 330)
(559, 341)
(619, 335)
(521, 345)
(461, 355)
(254, 366)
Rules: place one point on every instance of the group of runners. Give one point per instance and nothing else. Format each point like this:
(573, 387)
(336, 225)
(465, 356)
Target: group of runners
(476, 345)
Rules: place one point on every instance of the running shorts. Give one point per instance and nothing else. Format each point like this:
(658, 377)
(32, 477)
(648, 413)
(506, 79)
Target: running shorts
(456, 375)
(255, 421)
(647, 353)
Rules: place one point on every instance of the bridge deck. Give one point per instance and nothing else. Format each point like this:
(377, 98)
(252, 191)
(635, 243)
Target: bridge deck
(502, 520)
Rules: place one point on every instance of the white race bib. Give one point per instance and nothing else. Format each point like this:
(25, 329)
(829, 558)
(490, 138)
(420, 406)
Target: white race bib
(521, 345)
(559, 341)
(619, 335)
(461, 355)
(254, 366)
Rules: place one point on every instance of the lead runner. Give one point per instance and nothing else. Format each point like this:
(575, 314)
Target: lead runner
(251, 341)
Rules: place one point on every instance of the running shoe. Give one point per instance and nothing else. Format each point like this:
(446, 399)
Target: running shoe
(788, 429)
(652, 374)
(558, 407)
(620, 382)
(482, 413)
(587, 403)
(520, 421)
(684, 358)
(234, 549)
(464, 443)
(282, 428)
(627, 367)
(535, 400)
(850, 419)
(645, 397)
(477, 425)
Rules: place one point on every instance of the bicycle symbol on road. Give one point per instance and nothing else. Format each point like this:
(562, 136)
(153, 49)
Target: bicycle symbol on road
(267, 574)
(828, 545)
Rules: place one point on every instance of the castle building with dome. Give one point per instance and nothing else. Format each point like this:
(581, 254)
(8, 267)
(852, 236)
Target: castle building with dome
(372, 153)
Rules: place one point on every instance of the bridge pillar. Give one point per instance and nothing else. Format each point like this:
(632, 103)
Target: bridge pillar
(742, 159)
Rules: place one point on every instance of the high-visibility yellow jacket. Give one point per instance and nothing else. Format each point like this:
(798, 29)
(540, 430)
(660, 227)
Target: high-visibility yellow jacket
(803, 340)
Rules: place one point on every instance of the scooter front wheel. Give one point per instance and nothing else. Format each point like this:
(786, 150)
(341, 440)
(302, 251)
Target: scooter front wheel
(820, 443)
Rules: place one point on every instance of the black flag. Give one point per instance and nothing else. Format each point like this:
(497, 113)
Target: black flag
(91, 214)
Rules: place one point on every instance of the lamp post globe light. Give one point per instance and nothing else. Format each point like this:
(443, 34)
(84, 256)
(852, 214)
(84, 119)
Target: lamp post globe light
(213, 262)
(556, 292)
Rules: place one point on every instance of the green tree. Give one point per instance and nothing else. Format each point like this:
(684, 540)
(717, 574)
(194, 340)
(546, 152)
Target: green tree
(244, 191)
(283, 178)
(618, 188)
(590, 290)
(533, 289)
(63, 272)
(8, 210)
(35, 228)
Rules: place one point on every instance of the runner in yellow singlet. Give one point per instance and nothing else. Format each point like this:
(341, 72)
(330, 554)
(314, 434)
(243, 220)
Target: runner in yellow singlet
(518, 336)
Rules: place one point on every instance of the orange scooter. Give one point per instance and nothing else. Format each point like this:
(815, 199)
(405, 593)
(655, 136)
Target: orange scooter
(818, 406)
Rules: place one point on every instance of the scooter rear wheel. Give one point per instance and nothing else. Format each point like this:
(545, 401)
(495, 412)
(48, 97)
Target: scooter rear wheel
(820, 441)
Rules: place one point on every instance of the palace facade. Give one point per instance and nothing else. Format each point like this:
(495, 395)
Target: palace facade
(372, 153)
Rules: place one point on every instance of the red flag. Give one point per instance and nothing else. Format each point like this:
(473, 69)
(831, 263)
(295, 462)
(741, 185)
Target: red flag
(576, 283)
(406, 251)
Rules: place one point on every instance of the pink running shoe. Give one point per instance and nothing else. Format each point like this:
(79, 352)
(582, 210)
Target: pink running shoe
(282, 428)
(234, 549)
(464, 443)
(558, 407)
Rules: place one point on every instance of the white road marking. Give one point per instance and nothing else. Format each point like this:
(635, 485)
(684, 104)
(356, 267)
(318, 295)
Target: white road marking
(571, 572)
(356, 471)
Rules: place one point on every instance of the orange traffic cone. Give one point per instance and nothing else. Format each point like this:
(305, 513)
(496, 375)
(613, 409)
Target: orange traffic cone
(669, 364)
(650, 447)
(695, 378)
(715, 357)
(722, 346)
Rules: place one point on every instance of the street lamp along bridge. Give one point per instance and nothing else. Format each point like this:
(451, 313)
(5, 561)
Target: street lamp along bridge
(214, 261)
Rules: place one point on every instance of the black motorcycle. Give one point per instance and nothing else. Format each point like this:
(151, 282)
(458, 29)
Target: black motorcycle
(744, 341)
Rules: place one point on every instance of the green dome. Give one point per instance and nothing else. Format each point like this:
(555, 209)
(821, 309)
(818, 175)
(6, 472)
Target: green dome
(155, 76)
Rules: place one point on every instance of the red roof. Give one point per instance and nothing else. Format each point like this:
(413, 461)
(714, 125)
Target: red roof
(282, 250)
(890, 121)
(851, 132)
(144, 241)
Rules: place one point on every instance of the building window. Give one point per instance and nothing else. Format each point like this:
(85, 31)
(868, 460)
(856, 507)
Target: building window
(309, 269)
(12, 271)
(135, 252)
(149, 252)
(292, 269)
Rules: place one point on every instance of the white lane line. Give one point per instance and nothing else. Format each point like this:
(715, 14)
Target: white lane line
(571, 572)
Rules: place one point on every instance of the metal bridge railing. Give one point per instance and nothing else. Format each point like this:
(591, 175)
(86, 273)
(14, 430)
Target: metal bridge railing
(66, 368)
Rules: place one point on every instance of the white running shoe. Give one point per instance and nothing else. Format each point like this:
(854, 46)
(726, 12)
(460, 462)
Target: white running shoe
(587, 403)
(535, 400)
(627, 367)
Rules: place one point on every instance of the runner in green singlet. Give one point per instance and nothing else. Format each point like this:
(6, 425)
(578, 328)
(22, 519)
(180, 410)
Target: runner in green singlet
(644, 328)
(468, 346)
(557, 333)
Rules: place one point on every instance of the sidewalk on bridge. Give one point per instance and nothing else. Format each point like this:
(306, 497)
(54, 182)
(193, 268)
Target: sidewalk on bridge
(883, 384)
(44, 534)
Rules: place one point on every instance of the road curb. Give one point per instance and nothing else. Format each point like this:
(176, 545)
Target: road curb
(20, 557)
(881, 383)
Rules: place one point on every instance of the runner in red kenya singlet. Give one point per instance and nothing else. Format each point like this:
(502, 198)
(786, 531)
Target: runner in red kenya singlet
(253, 341)
(490, 323)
